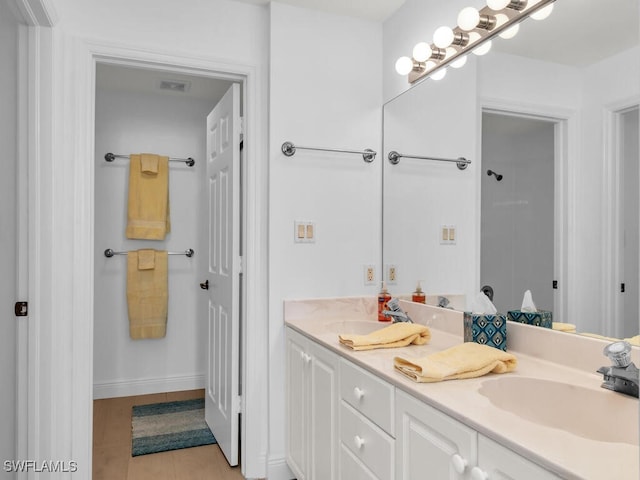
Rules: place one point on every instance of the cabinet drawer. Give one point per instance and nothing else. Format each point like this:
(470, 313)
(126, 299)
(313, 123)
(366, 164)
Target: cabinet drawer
(373, 447)
(372, 397)
(351, 468)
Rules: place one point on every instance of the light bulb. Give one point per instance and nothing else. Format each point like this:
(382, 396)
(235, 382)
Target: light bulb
(422, 52)
(439, 75)
(483, 49)
(459, 62)
(498, 4)
(468, 18)
(443, 37)
(404, 65)
(544, 13)
(510, 32)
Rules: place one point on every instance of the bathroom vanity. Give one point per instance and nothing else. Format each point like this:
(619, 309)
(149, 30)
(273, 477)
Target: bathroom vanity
(350, 415)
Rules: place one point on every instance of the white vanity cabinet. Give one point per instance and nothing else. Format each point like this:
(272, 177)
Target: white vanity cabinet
(430, 444)
(496, 462)
(366, 425)
(312, 408)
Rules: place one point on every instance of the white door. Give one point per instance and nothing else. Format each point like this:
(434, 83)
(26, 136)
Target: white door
(222, 396)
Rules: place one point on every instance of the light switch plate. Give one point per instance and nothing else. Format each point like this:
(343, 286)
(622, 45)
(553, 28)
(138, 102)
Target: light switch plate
(448, 235)
(304, 232)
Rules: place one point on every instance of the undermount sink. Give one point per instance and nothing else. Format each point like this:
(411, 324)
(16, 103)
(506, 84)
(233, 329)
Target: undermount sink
(354, 327)
(590, 413)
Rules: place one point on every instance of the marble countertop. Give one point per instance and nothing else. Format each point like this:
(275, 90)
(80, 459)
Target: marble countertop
(567, 454)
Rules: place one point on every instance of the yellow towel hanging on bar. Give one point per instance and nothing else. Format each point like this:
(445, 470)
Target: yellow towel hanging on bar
(148, 205)
(147, 293)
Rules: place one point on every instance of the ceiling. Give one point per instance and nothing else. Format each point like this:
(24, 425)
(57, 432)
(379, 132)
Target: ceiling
(377, 10)
(578, 32)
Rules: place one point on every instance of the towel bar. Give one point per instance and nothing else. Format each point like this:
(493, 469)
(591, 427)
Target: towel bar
(110, 157)
(110, 253)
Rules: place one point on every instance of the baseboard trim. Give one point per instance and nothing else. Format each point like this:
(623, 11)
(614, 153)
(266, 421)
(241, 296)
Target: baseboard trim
(277, 469)
(146, 386)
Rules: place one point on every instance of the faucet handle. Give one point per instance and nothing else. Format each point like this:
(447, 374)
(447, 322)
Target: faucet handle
(619, 353)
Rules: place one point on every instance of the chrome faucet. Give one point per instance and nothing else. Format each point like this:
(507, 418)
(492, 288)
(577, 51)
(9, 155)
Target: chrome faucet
(396, 312)
(622, 376)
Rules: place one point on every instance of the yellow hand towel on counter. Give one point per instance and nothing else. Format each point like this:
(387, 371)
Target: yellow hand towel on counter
(466, 360)
(148, 205)
(147, 293)
(564, 327)
(395, 335)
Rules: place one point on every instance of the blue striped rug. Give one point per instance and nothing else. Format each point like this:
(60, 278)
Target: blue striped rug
(161, 427)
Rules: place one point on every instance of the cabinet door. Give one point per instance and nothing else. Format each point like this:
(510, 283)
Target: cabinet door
(298, 361)
(496, 462)
(324, 397)
(430, 444)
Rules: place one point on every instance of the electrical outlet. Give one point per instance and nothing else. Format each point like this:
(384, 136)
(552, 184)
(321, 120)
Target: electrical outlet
(369, 275)
(392, 274)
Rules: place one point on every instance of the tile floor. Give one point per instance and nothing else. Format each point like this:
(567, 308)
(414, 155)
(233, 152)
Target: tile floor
(112, 458)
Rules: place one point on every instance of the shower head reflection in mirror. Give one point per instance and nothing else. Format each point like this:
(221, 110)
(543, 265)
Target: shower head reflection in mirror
(569, 84)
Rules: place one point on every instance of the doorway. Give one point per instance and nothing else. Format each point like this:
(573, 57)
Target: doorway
(628, 147)
(151, 110)
(518, 209)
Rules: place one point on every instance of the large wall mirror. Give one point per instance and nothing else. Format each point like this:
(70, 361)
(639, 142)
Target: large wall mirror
(549, 202)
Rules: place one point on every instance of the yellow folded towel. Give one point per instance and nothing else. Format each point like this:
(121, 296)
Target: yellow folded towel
(149, 163)
(148, 205)
(395, 335)
(564, 327)
(633, 340)
(146, 259)
(147, 294)
(466, 360)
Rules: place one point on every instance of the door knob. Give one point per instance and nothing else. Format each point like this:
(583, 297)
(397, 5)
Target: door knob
(205, 285)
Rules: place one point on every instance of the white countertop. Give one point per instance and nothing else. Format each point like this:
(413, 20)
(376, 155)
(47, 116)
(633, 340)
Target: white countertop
(567, 454)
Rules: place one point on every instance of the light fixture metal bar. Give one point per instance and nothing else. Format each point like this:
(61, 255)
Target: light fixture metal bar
(394, 158)
(513, 17)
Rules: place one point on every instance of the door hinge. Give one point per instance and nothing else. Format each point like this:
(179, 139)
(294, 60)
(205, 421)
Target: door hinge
(555, 284)
(21, 309)
(239, 403)
(622, 288)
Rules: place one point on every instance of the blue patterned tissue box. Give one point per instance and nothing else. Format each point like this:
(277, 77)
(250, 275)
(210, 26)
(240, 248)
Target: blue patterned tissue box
(488, 330)
(541, 318)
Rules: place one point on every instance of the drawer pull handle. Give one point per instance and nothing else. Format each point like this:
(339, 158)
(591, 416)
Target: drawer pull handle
(478, 474)
(359, 393)
(359, 441)
(306, 357)
(459, 463)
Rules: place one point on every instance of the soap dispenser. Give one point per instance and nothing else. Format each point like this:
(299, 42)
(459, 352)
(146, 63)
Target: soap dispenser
(383, 300)
(418, 296)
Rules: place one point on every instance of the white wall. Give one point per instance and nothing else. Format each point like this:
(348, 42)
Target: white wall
(171, 125)
(8, 228)
(325, 91)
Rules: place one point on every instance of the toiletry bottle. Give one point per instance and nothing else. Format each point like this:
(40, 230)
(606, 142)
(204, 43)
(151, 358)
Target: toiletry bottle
(383, 299)
(418, 296)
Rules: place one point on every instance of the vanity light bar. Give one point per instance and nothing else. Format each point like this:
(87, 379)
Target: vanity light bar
(515, 12)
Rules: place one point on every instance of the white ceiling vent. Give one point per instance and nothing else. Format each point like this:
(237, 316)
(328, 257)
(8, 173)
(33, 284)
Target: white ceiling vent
(179, 86)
